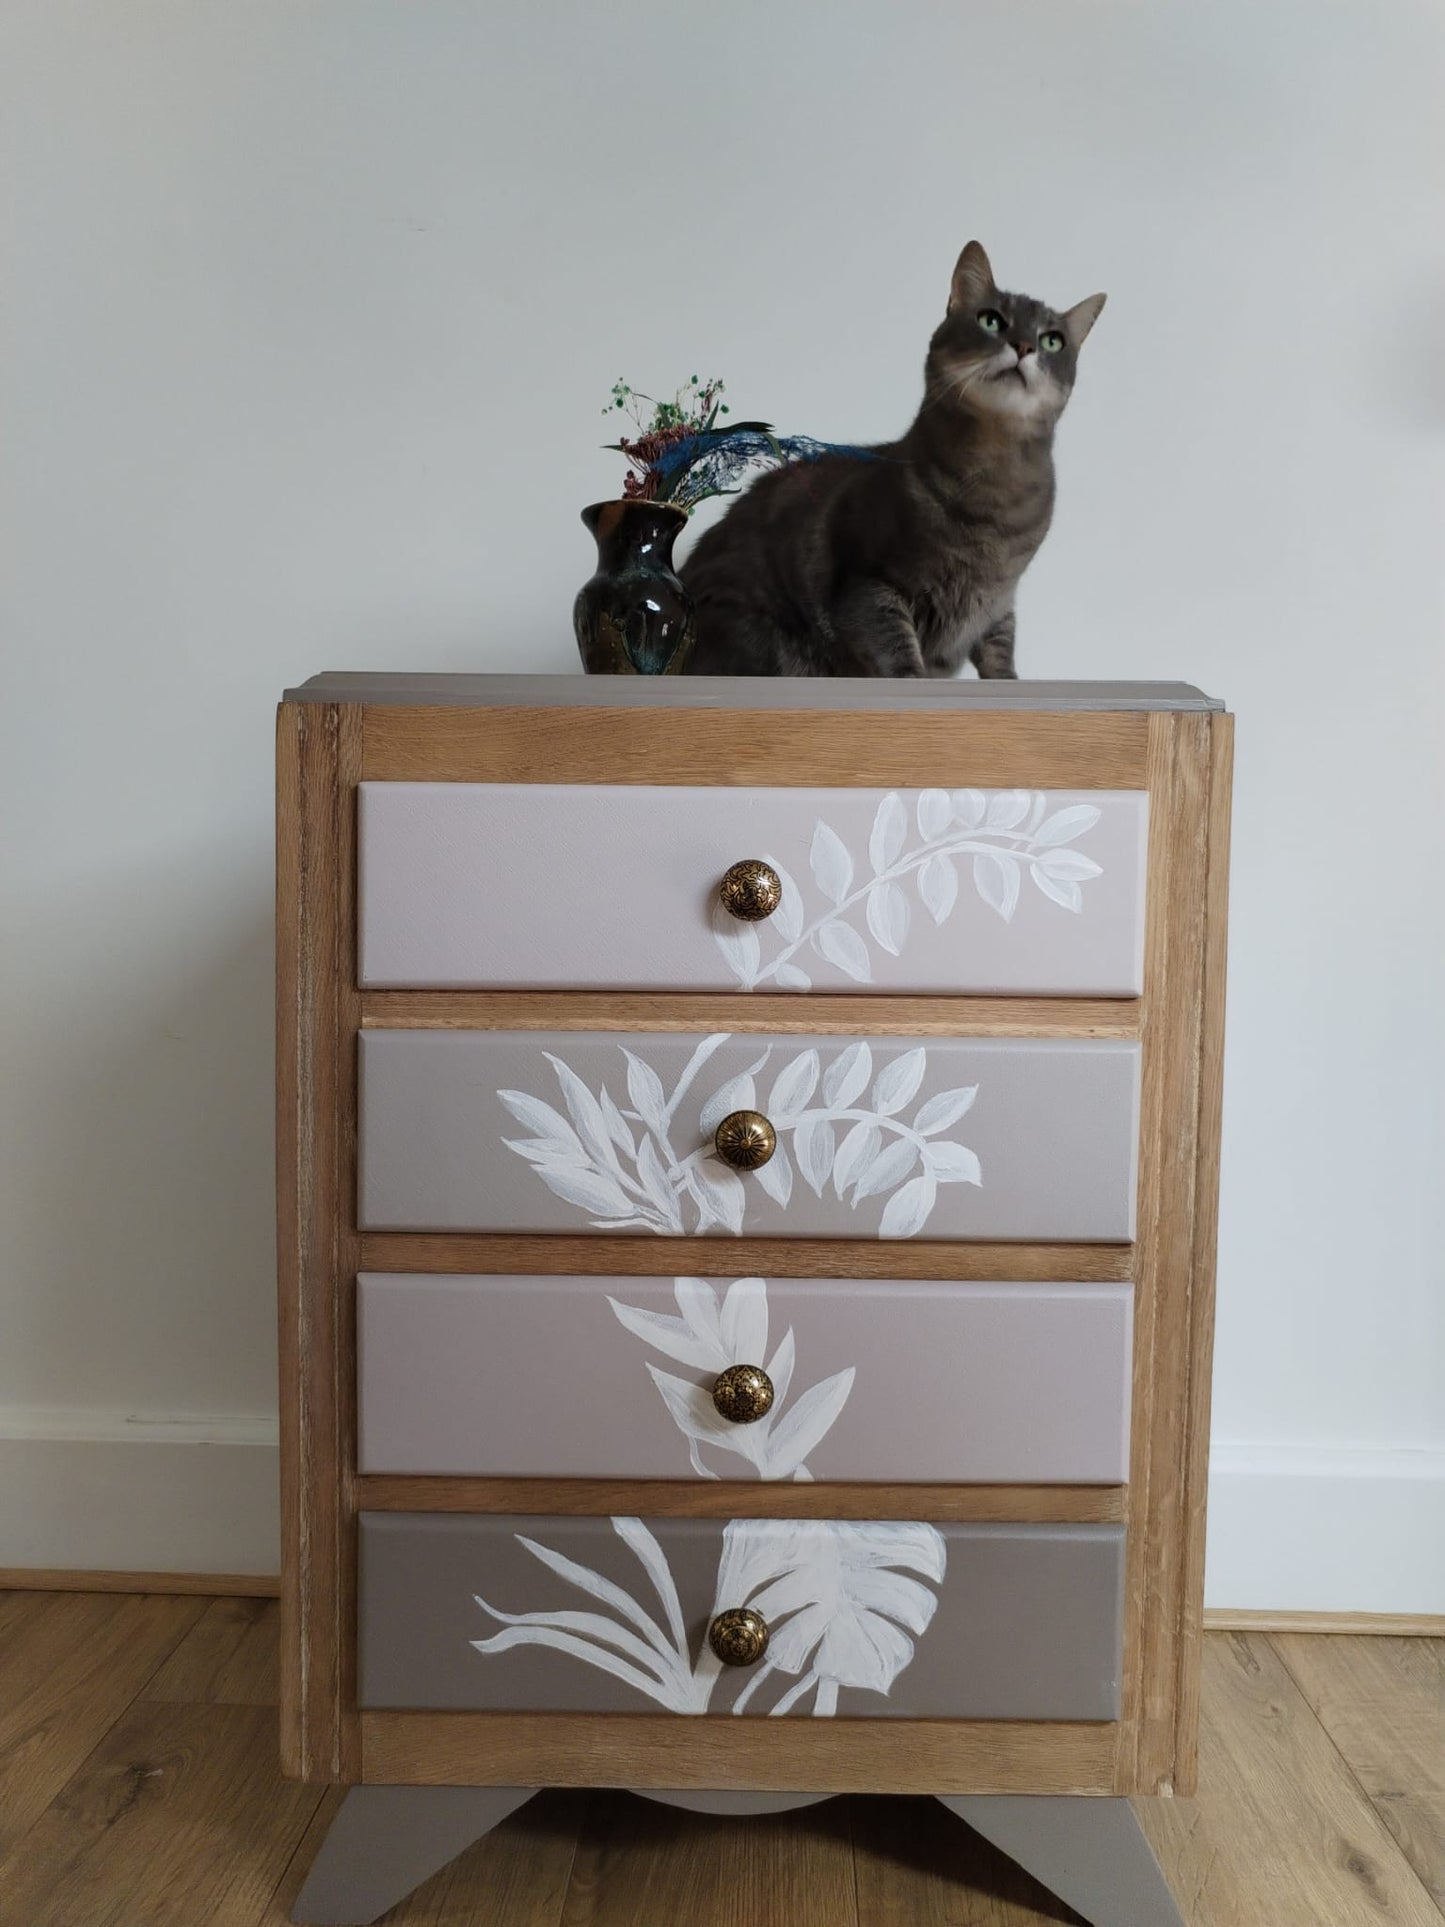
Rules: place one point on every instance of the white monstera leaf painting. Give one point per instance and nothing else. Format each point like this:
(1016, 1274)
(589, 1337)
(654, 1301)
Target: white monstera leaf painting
(841, 1599)
(844, 1600)
(867, 901)
(646, 1158)
(710, 1336)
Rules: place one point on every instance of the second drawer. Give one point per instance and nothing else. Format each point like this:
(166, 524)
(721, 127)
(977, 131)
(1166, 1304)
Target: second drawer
(532, 1131)
(869, 1380)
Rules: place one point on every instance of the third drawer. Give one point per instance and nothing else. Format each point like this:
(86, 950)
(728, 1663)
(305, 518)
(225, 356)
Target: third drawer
(876, 1380)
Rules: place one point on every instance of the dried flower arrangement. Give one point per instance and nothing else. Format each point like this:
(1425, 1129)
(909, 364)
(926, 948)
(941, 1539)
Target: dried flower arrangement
(684, 453)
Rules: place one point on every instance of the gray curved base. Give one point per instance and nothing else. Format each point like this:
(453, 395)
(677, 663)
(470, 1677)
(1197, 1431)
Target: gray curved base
(386, 1840)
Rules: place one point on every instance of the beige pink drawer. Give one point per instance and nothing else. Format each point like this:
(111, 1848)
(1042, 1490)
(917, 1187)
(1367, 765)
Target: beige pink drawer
(884, 1380)
(529, 1131)
(540, 885)
(860, 1618)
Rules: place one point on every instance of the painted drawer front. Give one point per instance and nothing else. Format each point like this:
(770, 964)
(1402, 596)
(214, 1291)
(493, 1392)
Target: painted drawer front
(535, 1131)
(877, 1379)
(865, 1618)
(538, 885)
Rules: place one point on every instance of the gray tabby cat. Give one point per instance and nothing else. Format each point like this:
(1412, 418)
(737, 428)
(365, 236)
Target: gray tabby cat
(903, 560)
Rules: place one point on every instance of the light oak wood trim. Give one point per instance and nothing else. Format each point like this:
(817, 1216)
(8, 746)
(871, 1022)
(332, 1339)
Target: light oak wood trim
(1225, 1619)
(1166, 1320)
(819, 1756)
(844, 1016)
(318, 751)
(749, 1499)
(1195, 1468)
(221, 1585)
(651, 1257)
(775, 748)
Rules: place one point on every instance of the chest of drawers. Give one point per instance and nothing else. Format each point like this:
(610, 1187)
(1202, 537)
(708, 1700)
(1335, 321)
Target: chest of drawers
(748, 1157)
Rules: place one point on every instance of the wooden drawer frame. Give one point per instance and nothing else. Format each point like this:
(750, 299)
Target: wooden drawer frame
(1183, 759)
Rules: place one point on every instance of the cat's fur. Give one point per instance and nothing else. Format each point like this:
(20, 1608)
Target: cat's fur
(902, 561)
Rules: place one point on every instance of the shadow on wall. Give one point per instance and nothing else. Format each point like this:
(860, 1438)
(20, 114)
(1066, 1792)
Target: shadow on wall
(144, 1210)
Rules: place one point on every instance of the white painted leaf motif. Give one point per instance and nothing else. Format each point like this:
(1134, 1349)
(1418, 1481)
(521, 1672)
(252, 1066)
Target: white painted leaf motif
(898, 1080)
(674, 1337)
(812, 1416)
(996, 879)
(653, 1173)
(740, 1093)
(935, 813)
(1064, 825)
(969, 807)
(846, 1078)
(938, 887)
(1069, 895)
(1007, 809)
(832, 865)
(739, 943)
(813, 1148)
(550, 1126)
(792, 1087)
(841, 945)
(644, 1088)
(1070, 864)
(890, 826)
(720, 1194)
(582, 1185)
(617, 1125)
(906, 1211)
(787, 976)
(586, 1115)
(953, 1164)
(888, 916)
(855, 1154)
(776, 1176)
(945, 1109)
(890, 1167)
(744, 1322)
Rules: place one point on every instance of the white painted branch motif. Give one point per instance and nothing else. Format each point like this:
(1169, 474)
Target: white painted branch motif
(1004, 832)
(623, 1168)
(841, 1607)
(710, 1337)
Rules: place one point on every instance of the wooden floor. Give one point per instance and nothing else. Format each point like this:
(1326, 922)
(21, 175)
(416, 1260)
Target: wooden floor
(138, 1788)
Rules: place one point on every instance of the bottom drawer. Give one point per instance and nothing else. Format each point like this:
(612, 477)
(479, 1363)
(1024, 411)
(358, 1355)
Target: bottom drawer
(863, 1617)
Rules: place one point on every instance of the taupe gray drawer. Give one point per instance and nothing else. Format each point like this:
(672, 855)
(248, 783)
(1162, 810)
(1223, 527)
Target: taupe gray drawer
(884, 1380)
(540, 885)
(529, 1131)
(861, 1617)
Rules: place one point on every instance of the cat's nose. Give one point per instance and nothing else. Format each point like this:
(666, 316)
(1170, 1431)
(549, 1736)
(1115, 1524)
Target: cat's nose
(1022, 348)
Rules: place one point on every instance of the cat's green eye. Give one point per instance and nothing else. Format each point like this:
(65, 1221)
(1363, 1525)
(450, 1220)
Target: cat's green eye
(991, 321)
(1050, 341)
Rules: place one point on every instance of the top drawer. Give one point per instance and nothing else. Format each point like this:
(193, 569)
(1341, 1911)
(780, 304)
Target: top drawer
(547, 886)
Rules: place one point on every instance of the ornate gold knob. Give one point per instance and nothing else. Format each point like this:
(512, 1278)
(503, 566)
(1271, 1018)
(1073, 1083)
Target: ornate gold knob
(739, 1636)
(743, 1393)
(745, 1139)
(751, 890)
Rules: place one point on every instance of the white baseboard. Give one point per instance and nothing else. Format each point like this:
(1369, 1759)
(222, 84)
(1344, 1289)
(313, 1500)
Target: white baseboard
(110, 1491)
(1293, 1529)
(1304, 1528)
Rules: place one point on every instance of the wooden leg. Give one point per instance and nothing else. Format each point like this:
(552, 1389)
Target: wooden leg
(388, 1839)
(1092, 1853)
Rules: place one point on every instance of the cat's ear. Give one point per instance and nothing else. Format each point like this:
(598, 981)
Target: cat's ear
(1081, 317)
(973, 280)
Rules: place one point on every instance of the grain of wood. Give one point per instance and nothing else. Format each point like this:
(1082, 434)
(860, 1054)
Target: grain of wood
(726, 1499)
(70, 1663)
(742, 748)
(179, 1816)
(917, 1864)
(228, 1658)
(1382, 1702)
(652, 1257)
(1281, 1832)
(826, 1013)
(1226, 1619)
(638, 1862)
(229, 1585)
(820, 1756)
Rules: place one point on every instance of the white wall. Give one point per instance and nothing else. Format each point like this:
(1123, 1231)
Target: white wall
(310, 313)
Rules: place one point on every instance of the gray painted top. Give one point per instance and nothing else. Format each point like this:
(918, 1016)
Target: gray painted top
(742, 692)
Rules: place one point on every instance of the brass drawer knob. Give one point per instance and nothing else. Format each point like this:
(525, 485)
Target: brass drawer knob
(739, 1636)
(751, 890)
(745, 1139)
(743, 1394)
